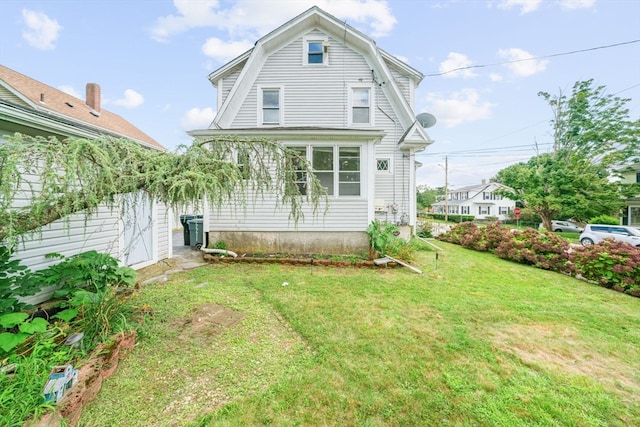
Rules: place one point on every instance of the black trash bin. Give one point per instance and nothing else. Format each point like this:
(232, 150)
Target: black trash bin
(196, 234)
(184, 220)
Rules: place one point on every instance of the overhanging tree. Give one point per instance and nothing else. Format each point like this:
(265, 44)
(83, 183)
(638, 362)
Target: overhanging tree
(592, 137)
(46, 179)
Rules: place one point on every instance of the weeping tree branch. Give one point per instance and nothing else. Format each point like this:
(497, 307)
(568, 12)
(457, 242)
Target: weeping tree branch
(44, 179)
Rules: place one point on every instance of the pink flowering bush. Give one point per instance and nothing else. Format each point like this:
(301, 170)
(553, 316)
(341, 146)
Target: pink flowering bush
(610, 263)
(543, 250)
(458, 232)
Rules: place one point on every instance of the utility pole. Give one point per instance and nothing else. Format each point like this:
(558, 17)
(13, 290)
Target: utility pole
(446, 189)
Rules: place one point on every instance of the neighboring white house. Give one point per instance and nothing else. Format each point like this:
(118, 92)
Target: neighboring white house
(479, 201)
(325, 88)
(32, 108)
(631, 212)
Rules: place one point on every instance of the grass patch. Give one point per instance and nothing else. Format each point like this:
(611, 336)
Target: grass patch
(479, 341)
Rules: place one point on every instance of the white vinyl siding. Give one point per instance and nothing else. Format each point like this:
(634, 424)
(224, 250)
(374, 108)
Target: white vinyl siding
(319, 103)
(319, 96)
(345, 213)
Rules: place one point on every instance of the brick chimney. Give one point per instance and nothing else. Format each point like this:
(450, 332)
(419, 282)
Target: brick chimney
(93, 96)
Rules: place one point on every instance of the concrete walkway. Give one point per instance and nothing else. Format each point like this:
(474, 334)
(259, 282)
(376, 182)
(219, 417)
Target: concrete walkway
(184, 258)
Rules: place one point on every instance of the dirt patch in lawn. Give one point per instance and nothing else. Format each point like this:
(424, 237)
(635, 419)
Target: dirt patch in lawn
(561, 350)
(206, 322)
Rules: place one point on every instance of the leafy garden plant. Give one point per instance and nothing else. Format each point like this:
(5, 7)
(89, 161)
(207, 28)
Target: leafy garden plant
(610, 263)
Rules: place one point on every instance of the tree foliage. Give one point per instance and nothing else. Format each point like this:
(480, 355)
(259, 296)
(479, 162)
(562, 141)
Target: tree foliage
(425, 196)
(592, 138)
(46, 179)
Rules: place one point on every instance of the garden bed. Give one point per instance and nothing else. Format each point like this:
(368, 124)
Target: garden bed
(295, 260)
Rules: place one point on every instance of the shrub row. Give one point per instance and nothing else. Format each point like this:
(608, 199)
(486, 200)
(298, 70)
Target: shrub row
(611, 264)
(451, 217)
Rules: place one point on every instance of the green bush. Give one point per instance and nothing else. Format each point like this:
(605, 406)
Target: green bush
(610, 263)
(604, 219)
(452, 217)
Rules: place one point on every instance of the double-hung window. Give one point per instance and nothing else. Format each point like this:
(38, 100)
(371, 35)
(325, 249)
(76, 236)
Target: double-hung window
(361, 106)
(270, 105)
(349, 176)
(316, 51)
(299, 170)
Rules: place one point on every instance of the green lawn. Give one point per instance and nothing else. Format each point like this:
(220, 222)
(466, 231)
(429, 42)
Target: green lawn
(477, 341)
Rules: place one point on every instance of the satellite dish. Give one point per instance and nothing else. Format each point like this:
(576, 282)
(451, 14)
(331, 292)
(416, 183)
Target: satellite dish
(426, 120)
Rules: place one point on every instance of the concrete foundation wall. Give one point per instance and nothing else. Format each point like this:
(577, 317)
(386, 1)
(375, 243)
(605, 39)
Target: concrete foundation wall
(291, 242)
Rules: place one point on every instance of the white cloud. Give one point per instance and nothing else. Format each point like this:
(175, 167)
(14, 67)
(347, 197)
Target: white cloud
(132, 99)
(42, 31)
(197, 118)
(525, 6)
(526, 66)
(577, 4)
(455, 61)
(249, 19)
(495, 77)
(224, 51)
(460, 107)
(70, 90)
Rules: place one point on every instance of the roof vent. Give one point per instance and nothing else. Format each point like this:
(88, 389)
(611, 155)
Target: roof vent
(69, 104)
(94, 113)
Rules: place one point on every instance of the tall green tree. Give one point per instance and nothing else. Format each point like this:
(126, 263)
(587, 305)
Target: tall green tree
(425, 196)
(46, 179)
(592, 137)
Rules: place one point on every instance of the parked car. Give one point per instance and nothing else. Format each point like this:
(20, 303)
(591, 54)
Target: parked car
(566, 226)
(596, 233)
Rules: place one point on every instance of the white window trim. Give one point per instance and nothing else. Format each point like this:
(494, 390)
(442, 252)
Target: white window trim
(336, 171)
(305, 50)
(371, 105)
(260, 116)
(390, 163)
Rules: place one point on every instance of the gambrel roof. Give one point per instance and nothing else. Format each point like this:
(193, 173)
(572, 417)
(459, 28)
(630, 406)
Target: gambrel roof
(25, 99)
(382, 63)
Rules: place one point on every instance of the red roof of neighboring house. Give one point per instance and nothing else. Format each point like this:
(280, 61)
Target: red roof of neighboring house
(43, 97)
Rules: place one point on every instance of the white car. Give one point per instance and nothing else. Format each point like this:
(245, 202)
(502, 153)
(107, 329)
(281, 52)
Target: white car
(596, 233)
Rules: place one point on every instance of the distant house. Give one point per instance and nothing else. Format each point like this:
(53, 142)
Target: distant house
(320, 86)
(631, 212)
(481, 201)
(30, 107)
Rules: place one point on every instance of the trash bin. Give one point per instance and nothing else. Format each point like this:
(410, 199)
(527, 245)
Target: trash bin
(184, 220)
(185, 228)
(195, 232)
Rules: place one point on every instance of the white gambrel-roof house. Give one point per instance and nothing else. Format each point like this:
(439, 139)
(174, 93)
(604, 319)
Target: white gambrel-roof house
(477, 200)
(320, 85)
(30, 107)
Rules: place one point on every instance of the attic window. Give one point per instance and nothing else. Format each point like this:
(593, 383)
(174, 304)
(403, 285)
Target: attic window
(316, 51)
(69, 104)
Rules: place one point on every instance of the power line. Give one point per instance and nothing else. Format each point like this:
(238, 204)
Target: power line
(533, 58)
(488, 150)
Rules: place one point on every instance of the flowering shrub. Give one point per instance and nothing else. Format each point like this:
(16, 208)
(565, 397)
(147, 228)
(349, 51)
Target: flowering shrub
(542, 250)
(457, 232)
(610, 263)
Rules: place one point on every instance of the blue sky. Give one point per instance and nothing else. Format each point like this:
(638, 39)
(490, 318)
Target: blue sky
(151, 59)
